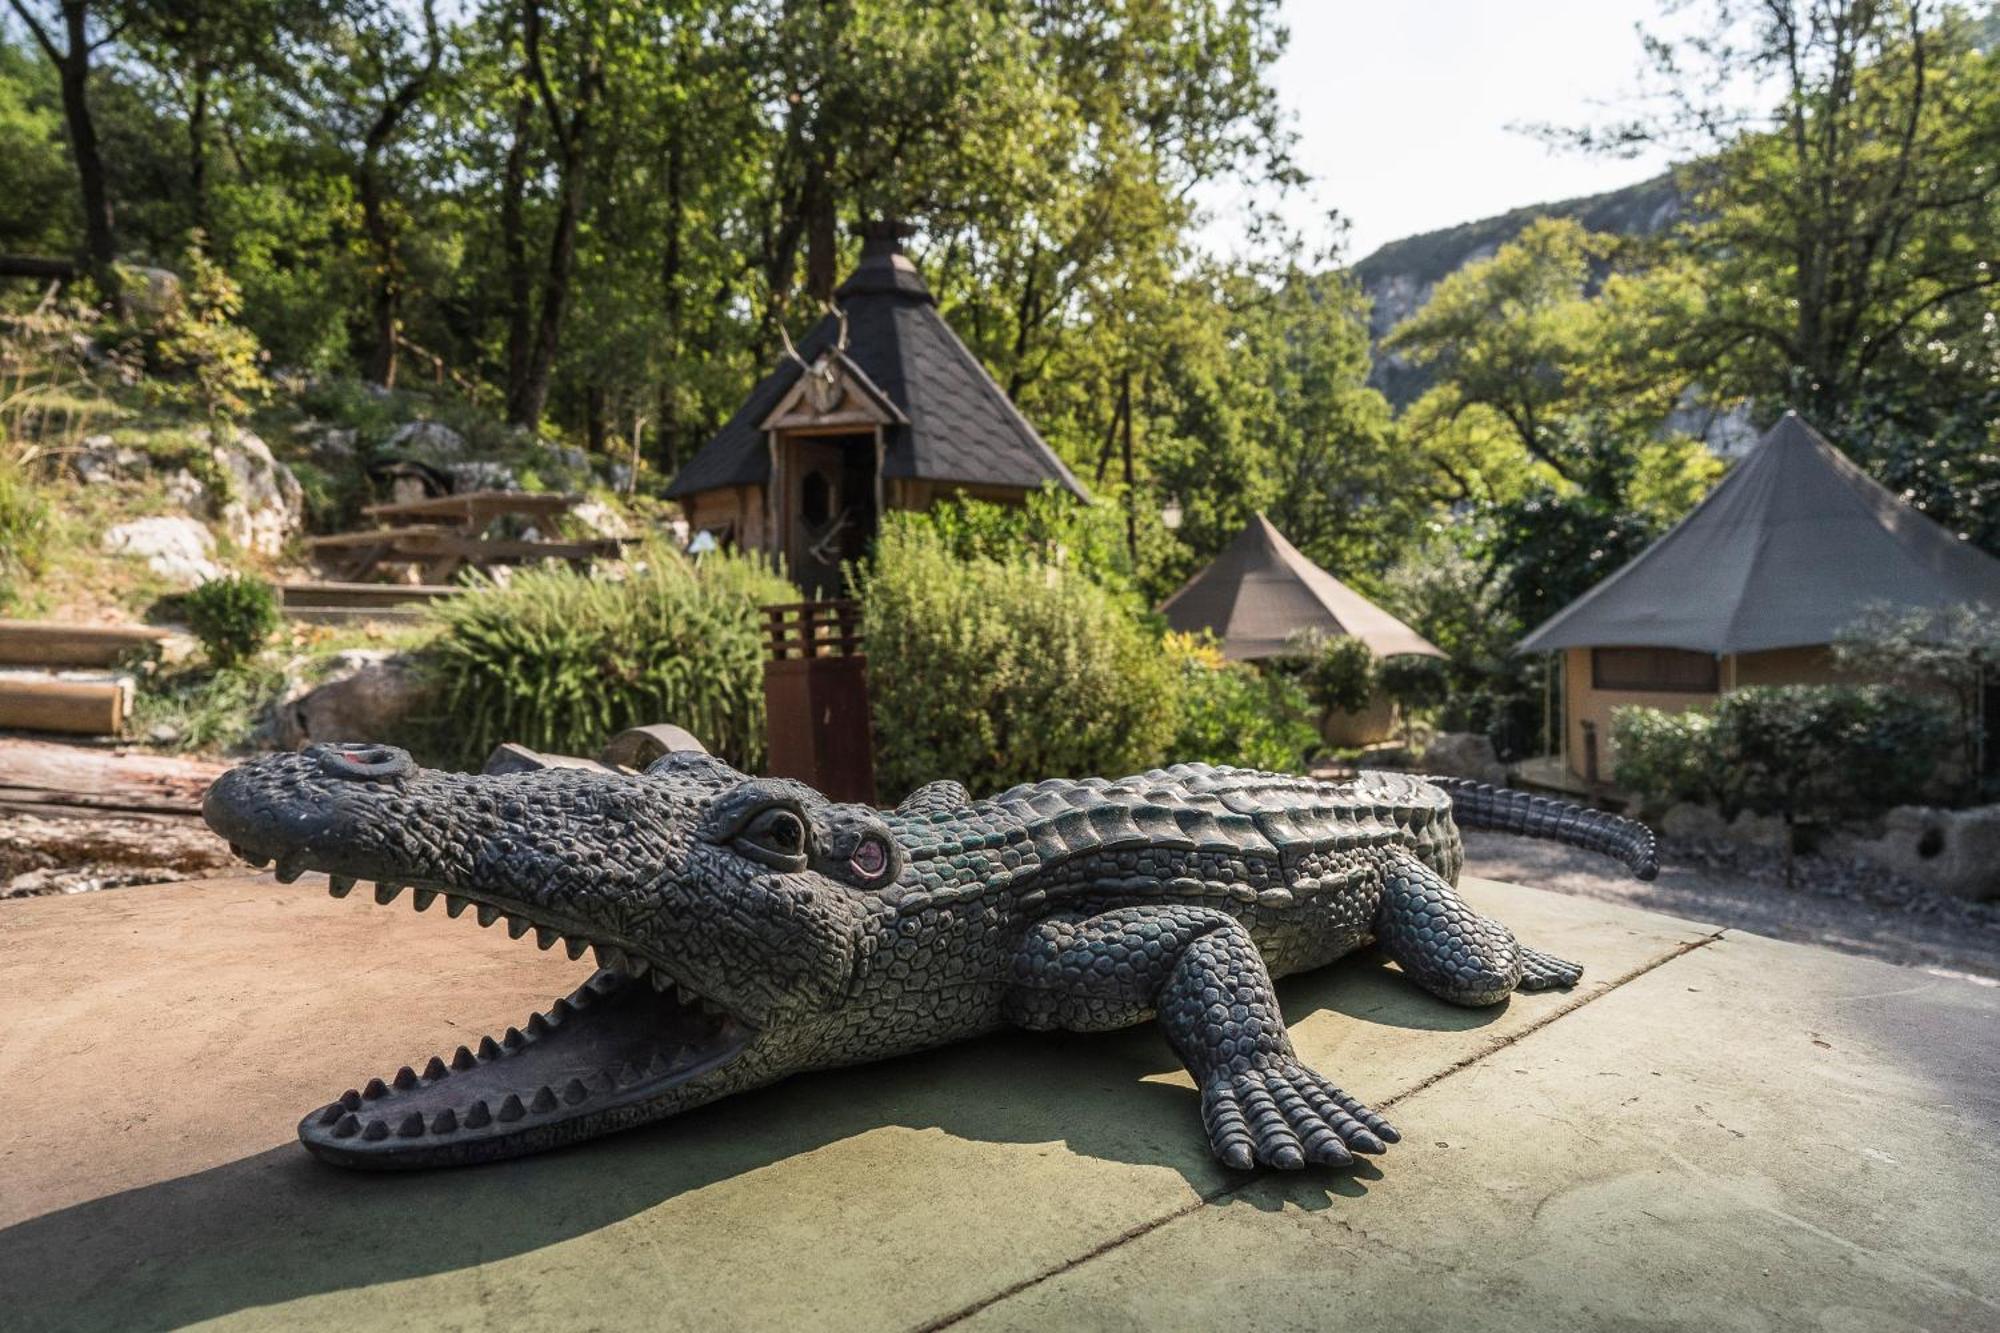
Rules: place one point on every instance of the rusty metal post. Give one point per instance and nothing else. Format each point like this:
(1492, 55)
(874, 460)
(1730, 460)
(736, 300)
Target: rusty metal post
(816, 699)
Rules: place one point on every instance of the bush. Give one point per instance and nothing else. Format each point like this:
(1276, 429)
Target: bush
(1810, 754)
(1949, 654)
(998, 671)
(25, 525)
(561, 660)
(233, 617)
(1337, 671)
(219, 362)
(1235, 714)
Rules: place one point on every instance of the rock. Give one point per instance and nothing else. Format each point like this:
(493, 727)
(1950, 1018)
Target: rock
(366, 694)
(480, 475)
(601, 519)
(190, 493)
(98, 461)
(426, 441)
(151, 294)
(178, 549)
(1952, 851)
(1464, 754)
(265, 502)
(1767, 831)
(337, 443)
(1687, 820)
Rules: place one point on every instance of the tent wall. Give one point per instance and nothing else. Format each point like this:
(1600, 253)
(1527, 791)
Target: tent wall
(1588, 704)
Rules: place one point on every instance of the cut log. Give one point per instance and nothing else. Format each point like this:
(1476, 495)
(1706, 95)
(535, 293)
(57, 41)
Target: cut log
(51, 643)
(73, 707)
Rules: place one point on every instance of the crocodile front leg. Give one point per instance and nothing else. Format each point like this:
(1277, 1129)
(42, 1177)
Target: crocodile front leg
(1200, 972)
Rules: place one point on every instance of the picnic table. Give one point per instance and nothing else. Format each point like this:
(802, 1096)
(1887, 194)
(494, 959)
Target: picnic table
(445, 533)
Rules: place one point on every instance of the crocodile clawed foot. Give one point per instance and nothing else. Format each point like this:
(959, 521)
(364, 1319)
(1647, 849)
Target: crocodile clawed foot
(1541, 971)
(1285, 1115)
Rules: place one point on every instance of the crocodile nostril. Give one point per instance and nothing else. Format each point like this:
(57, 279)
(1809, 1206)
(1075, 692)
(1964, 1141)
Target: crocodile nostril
(365, 763)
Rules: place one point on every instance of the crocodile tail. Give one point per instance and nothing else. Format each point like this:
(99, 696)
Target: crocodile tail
(1482, 806)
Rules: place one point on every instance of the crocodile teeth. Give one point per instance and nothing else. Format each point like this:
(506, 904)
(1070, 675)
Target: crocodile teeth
(462, 1059)
(658, 1065)
(423, 898)
(574, 1091)
(349, 1126)
(511, 1109)
(574, 947)
(332, 1114)
(489, 1049)
(478, 1117)
(412, 1126)
(661, 981)
(290, 868)
(435, 1070)
(387, 891)
(406, 1078)
(516, 927)
(445, 1122)
(377, 1129)
(454, 906)
(610, 958)
(351, 1099)
(340, 885)
(488, 914)
(374, 1089)
(545, 1100)
(545, 938)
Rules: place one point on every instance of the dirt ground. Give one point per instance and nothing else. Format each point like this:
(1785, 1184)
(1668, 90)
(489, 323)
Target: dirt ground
(1842, 905)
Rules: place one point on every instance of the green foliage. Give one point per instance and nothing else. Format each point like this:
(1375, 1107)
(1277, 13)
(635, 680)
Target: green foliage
(234, 617)
(1231, 713)
(217, 361)
(1950, 654)
(206, 709)
(1666, 757)
(1811, 754)
(561, 661)
(1337, 671)
(1003, 671)
(1052, 528)
(26, 522)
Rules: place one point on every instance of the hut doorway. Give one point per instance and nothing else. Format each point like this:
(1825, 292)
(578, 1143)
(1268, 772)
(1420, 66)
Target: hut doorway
(829, 513)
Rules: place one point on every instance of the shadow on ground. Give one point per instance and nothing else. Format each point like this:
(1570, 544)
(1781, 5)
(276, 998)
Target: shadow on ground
(278, 1225)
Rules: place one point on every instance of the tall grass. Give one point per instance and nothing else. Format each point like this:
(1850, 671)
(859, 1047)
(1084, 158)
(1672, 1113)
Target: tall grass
(561, 661)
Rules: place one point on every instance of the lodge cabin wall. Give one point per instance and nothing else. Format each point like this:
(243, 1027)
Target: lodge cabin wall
(1591, 705)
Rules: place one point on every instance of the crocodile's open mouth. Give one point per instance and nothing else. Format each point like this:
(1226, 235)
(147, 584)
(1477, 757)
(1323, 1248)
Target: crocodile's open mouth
(600, 1058)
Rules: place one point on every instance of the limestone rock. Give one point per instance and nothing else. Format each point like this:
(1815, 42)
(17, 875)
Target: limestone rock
(1464, 754)
(1952, 851)
(1687, 820)
(426, 441)
(601, 519)
(480, 475)
(265, 502)
(176, 548)
(362, 695)
(99, 461)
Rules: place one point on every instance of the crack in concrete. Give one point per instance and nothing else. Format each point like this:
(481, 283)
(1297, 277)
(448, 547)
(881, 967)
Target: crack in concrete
(1201, 1201)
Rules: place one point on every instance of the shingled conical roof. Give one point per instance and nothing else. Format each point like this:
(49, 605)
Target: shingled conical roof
(1785, 552)
(1260, 592)
(961, 427)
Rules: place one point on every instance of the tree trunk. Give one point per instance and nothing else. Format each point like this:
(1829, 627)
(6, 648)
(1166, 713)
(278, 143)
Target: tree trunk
(597, 429)
(514, 243)
(100, 237)
(822, 228)
(385, 300)
(671, 303)
(197, 149)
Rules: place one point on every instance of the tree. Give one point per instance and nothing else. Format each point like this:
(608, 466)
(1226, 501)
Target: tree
(84, 32)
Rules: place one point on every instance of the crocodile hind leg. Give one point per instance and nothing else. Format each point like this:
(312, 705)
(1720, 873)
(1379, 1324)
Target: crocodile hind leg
(1200, 972)
(1449, 949)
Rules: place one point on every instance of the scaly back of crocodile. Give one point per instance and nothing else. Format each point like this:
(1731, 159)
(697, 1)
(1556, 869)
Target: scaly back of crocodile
(1189, 831)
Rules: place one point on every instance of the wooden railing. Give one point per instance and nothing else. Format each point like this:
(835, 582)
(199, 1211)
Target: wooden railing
(813, 629)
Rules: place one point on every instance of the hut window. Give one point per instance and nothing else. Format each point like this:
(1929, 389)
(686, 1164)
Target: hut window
(816, 504)
(1669, 670)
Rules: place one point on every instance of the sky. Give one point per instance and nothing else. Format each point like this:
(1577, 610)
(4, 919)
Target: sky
(1402, 108)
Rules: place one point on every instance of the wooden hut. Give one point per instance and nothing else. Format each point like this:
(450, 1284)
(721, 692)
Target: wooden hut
(1751, 588)
(881, 407)
(1261, 591)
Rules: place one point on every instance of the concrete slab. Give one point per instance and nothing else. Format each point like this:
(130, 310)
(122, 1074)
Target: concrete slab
(1755, 1136)
(161, 1043)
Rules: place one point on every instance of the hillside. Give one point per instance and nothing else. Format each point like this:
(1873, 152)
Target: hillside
(1398, 277)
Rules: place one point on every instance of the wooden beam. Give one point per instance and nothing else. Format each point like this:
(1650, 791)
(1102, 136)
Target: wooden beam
(40, 268)
(72, 707)
(52, 643)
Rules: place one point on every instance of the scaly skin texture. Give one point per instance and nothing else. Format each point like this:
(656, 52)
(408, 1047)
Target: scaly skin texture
(750, 929)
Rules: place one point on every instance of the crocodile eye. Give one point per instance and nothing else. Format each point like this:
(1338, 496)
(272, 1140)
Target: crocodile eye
(777, 838)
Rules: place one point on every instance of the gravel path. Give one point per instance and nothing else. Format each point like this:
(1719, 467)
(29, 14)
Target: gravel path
(1843, 905)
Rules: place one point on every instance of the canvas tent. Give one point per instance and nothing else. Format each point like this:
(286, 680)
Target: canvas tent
(882, 408)
(1260, 591)
(1751, 587)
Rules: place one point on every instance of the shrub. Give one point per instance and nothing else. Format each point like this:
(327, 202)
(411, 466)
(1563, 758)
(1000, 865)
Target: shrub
(25, 525)
(200, 339)
(233, 617)
(206, 709)
(1235, 714)
(1052, 527)
(1950, 654)
(998, 671)
(1811, 754)
(1337, 671)
(561, 660)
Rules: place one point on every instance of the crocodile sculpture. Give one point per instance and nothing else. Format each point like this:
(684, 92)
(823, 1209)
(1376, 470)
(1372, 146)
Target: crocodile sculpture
(748, 929)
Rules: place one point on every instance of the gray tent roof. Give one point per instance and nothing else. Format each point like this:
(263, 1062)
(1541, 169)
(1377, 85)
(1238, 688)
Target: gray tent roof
(1786, 551)
(1260, 591)
(961, 427)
